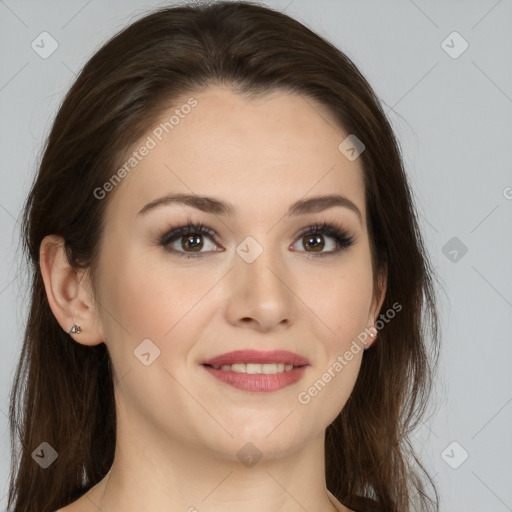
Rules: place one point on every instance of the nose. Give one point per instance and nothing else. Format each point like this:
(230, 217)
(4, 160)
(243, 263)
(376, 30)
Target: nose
(260, 294)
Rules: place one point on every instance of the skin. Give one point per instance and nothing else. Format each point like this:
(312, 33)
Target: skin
(179, 429)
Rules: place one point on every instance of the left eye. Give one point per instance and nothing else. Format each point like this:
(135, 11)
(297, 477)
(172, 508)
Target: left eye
(316, 242)
(314, 238)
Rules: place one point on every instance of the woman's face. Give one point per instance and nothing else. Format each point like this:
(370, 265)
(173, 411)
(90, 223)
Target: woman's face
(258, 281)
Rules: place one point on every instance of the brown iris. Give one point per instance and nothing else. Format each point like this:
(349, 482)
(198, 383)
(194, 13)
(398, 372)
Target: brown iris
(193, 242)
(316, 241)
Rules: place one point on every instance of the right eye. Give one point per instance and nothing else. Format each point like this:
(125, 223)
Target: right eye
(188, 241)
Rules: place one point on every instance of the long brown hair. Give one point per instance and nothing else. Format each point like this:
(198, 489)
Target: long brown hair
(63, 392)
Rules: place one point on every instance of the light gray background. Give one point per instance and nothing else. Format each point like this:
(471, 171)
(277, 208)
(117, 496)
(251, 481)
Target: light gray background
(453, 117)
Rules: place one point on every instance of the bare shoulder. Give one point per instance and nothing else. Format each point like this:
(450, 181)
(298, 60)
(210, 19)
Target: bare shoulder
(76, 506)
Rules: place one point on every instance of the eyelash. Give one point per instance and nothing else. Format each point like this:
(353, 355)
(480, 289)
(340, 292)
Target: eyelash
(341, 237)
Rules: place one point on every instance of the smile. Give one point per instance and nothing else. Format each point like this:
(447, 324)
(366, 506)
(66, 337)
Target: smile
(255, 368)
(252, 377)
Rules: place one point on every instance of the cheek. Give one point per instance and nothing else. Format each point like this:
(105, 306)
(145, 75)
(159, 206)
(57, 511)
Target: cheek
(147, 299)
(342, 302)
(341, 299)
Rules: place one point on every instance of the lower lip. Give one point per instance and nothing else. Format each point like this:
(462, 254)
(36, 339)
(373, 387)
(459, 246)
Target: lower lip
(259, 382)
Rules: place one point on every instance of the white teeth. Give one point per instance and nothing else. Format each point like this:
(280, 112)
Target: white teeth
(253, 368)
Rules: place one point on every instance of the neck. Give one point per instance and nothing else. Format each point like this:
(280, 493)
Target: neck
(190, 478)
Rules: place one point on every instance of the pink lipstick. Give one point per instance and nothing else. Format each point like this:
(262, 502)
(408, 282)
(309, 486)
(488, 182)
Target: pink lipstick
(254, 370)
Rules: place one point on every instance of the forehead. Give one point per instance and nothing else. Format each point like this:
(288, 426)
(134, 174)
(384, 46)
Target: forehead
(254, 152)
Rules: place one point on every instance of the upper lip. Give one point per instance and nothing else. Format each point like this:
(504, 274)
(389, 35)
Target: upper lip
(258, 357)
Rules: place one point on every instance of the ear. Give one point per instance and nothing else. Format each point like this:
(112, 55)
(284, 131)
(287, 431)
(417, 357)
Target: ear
(69, 292)
(378, 299)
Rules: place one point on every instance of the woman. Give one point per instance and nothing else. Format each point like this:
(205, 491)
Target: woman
(231, 301)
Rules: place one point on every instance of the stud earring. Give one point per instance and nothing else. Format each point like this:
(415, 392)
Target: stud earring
(76, 329)
(373, 335)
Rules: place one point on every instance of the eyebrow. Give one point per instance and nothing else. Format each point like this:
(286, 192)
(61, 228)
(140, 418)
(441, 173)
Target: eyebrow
(218, 207)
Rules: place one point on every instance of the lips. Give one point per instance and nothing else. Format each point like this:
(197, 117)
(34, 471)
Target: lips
(259, 357)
